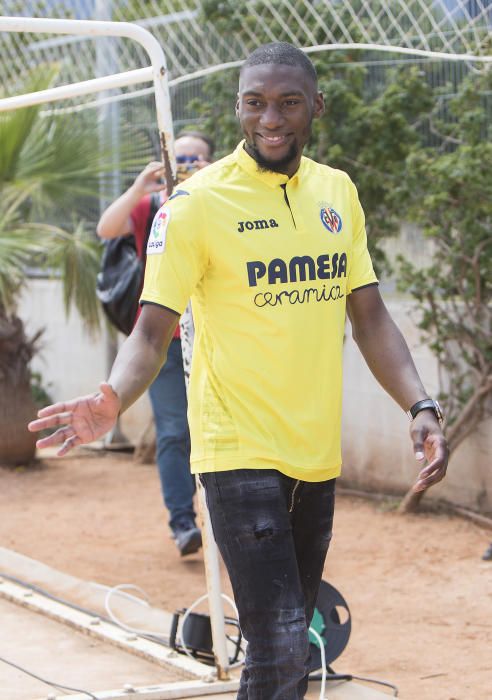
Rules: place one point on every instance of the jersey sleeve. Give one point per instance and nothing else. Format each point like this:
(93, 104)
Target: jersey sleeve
(177, 254)
(361, 272)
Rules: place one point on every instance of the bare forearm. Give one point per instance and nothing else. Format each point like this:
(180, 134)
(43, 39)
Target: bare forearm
(388, 357)
(136, 366)
(393, 367)
(142, 354)
(386, 352)
(115, 220)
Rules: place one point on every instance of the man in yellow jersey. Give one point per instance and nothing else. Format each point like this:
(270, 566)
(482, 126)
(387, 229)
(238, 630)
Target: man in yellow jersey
(271, 247)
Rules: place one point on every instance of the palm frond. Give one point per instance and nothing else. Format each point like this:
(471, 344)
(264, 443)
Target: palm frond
(51, 171)
(17, 250)
(16, 126)
(76, 256)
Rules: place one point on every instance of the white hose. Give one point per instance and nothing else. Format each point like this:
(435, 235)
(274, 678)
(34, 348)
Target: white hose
(323, 663)
(119, 589)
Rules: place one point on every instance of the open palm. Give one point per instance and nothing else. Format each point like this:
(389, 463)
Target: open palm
(79, 421)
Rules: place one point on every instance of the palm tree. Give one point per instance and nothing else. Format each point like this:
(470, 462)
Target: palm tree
(49, 168)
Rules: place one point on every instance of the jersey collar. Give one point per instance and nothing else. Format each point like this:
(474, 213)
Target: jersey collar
(247, 163)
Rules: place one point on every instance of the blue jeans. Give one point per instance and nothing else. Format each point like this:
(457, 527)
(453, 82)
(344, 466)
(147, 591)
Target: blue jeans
(273, 533)
(169, 405)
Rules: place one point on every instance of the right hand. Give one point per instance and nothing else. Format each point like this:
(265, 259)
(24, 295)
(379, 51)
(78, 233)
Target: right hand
(150, 179)
(84, 419)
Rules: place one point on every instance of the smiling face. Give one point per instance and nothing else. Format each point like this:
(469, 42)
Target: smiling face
(276, 105)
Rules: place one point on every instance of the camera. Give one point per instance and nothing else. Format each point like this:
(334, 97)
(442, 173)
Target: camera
(186, 166)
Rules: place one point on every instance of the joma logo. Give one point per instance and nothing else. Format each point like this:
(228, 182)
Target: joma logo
(255, 225)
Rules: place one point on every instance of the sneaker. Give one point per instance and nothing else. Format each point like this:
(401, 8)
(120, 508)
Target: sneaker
(488, 553)
(187, 536)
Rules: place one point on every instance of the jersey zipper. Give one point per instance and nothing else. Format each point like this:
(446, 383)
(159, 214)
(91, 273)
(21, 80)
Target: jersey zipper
(296, 486)
(284, 187)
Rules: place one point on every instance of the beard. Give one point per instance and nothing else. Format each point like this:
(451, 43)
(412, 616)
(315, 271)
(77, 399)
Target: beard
(273, 166)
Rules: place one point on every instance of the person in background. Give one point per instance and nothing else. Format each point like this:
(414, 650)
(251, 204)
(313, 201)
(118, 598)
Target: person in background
(132, 214)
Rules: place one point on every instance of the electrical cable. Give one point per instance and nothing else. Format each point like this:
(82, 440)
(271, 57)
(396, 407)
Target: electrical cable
(350, 677)
(46, 682)
(323, 662)
(373, 680)
(323, 677)
(47, 594)
(159, 639)
(87, 611)
(192, 607)
(120, 589)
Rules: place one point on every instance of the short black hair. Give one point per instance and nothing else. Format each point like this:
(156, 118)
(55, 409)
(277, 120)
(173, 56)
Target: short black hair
(283, 53)
(198, 135)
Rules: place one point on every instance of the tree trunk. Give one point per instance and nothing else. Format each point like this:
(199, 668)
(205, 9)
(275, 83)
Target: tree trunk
(410, 501)
(17, 407)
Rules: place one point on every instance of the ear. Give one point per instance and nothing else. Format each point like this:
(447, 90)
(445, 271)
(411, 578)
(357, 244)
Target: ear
(237, 106)
(319, 106)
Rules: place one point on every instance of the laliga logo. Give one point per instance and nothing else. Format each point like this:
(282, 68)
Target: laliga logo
(160, 221)
(330, 219)
(157, 238)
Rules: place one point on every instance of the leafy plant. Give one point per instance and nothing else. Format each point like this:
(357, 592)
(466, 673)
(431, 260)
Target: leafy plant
(452, 201)
(40, 392)
(49, 172)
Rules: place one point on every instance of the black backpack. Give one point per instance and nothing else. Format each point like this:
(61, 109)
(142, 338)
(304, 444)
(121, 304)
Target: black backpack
(120, 278)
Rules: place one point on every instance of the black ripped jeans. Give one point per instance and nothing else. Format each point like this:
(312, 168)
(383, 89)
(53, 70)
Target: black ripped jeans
(273, 533)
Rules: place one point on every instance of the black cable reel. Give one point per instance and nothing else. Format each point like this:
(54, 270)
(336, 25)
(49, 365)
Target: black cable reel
(333, 623)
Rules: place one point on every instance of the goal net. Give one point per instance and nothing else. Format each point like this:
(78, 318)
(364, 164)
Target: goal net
(453, 37)
(196, 34)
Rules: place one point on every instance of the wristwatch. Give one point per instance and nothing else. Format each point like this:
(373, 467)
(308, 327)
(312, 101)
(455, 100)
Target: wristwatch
(424, 405)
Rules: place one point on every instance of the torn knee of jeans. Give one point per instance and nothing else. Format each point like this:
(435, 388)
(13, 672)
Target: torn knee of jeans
(294, 618)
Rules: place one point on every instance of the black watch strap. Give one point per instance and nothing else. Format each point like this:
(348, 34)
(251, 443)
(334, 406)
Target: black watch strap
(423, 405)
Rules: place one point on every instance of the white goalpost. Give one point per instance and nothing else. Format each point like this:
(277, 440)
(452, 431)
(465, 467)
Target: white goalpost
(156, 73)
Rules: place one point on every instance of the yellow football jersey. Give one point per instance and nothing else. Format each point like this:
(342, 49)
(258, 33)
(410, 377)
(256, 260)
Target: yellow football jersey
(268, 262)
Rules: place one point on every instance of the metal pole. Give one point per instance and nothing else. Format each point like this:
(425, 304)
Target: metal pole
(116, 29)
(214, 589)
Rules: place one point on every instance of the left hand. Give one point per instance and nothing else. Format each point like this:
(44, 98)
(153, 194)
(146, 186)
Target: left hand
(429, 444)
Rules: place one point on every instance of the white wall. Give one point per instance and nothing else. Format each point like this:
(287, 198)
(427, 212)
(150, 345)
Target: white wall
(376, 445)
(377, 451)
(71, 362)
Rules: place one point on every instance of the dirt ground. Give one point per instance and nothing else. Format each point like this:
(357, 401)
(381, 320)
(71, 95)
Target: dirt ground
(419, 595)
